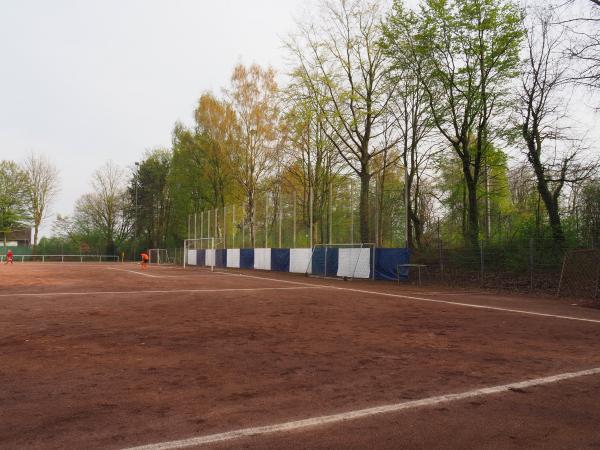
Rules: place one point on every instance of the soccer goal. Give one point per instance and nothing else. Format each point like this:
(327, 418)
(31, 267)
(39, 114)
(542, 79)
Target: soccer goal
(347, 261)
(580, 274)
(201, 252)
(159, 256)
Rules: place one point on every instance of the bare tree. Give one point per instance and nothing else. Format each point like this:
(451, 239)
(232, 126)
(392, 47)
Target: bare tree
(542, 109)
(343, 55)
(42, 187)
(583, 26)
(105, 210)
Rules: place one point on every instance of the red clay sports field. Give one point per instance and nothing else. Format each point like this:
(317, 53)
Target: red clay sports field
(108, 356)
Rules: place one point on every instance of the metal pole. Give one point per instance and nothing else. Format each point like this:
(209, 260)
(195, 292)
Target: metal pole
(280, 218)
(351, 211)
(310, 214)
(376, 211)
(208, 224)
(201, 224)
(266, 220)
(195, 227)
(215, 234)
(482, 261)
(330, 214)
(294, 238)
(234, 228)
(225, 225)
(531, 264)
(441, 249)
(406, 216)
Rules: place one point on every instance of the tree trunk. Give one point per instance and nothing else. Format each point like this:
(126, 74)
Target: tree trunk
(473, 214)
(364, 206)
(250, 218)
(549, 198)
(35, 237)
(551, 203)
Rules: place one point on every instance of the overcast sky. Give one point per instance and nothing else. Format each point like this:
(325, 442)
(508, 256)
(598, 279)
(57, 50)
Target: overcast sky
(84, 82)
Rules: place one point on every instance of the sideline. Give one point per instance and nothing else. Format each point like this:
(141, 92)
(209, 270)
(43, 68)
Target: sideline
(429, 300)
(173, 291)
(361, 413)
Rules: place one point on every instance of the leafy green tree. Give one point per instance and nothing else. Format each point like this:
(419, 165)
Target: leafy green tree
(411, 109)
(13, 198)
(104, 213)
(471, 52)
(149, 194)
(343, 54)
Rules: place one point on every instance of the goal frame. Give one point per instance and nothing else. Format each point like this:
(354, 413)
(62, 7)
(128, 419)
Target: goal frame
(592, 273)
(357, 245)
(158, 253)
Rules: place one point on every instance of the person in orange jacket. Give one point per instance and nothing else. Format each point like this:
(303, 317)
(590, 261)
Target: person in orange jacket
(145, 259)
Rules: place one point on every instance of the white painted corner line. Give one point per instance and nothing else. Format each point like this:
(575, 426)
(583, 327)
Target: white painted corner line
(471, 305)
(155, 291)
(136, 272)
(361, 413)
(430, 300)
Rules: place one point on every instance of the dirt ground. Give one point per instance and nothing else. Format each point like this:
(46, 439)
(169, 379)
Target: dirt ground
(106, 356)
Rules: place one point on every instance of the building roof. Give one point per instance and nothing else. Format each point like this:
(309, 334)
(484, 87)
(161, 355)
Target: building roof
(19, 235)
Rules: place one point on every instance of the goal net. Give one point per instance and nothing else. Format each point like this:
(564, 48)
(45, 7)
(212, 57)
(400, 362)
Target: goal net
(201, 252)
(580, 274)
(159, 256)
(347, 261)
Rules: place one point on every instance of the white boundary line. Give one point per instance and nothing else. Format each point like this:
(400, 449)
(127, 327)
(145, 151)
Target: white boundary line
(431, 300)
(174, 291)
(361, 413)
(137, 272)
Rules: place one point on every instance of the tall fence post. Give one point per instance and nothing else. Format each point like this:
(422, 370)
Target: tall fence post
(482, 261)
(294, 227)
(531, 262)
(351, 211)
(267, 220)
(330, 213)
(310, 213)
(233, 227)
(280, 217)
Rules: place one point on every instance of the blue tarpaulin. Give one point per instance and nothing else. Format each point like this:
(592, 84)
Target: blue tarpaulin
(325, 259)
(200, 257)
(221, 257)
(246, 258)
(280, 259)
(387, 261)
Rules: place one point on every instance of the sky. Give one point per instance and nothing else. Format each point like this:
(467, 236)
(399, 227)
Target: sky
(84, 82)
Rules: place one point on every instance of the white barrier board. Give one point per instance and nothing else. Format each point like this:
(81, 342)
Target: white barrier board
(300, 260)
(233, 258)
(191, 257)
(354, 262)
(210, 258)
(262, 258)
